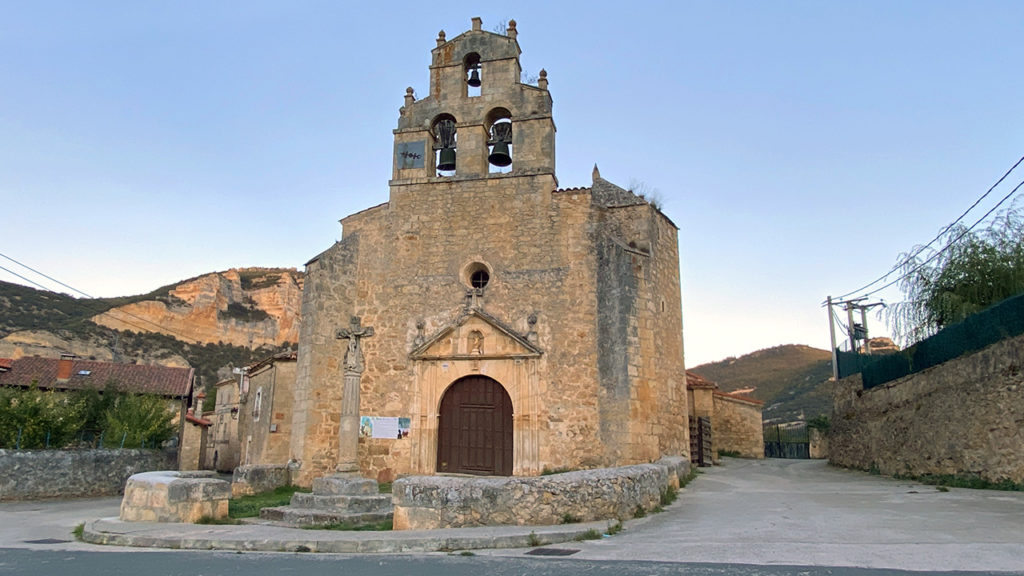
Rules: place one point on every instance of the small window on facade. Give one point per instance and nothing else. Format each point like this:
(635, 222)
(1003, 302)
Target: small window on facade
(480, 278)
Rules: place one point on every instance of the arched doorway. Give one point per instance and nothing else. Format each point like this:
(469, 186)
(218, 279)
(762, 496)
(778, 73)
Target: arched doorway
(475, 428)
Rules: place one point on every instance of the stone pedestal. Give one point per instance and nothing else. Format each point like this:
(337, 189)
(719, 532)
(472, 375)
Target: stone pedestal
(172, 496)
(336, 499)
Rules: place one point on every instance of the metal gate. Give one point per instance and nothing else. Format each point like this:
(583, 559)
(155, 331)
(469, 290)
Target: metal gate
(789, 442)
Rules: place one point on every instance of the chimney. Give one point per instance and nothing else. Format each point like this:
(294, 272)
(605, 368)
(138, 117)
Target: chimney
(64, 367)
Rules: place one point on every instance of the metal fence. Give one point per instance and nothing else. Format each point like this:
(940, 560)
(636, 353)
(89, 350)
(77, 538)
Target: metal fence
(999, 322)
(789, 442)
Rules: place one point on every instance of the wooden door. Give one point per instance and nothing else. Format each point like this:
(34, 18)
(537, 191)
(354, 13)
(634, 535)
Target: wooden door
(475, 428)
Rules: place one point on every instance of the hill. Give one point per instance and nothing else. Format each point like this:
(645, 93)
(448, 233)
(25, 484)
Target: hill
(794, 381)
(212, 322)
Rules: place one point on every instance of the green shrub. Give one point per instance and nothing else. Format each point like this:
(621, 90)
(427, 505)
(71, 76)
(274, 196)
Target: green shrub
(138, 421)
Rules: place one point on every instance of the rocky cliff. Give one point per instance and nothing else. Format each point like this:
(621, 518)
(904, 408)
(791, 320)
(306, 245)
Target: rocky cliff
(249, 307)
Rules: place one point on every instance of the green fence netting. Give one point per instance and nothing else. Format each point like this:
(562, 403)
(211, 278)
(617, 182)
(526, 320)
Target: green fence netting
(1004, 320)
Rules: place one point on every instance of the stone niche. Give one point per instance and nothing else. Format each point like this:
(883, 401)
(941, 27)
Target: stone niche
(172, 496)
(433, 502)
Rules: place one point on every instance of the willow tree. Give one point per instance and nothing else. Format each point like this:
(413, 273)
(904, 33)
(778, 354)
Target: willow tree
(966, 271)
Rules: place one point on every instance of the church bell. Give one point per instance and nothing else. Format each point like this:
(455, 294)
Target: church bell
(474, 78)
(446, 161)
(499, 155)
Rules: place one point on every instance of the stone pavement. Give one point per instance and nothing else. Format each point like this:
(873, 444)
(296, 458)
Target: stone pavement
(758, 512)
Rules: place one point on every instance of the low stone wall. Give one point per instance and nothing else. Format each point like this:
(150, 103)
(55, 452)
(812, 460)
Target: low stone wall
(34, 474)
(431, 502)
(961, 417)
(173, 496)
(259, 478)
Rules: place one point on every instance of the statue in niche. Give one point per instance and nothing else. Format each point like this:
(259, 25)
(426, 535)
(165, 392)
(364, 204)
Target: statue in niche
(476, 342)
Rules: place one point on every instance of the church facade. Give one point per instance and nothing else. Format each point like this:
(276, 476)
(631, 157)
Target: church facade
(484, 320)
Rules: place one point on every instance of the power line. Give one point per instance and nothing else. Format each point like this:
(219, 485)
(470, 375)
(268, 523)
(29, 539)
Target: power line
(921, 249)
(949, 245)
(111, 310)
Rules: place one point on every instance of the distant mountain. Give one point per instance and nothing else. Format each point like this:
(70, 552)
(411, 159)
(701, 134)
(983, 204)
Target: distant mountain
(794, 381)
(212, 322)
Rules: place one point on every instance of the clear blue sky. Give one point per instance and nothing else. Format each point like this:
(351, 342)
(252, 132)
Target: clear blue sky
(799, 146)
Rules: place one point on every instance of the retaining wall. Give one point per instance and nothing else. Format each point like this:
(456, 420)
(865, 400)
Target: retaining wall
(34, 474)
(431, 502)
(965, 417)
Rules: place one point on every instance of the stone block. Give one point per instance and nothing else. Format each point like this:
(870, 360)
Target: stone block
(172, 496)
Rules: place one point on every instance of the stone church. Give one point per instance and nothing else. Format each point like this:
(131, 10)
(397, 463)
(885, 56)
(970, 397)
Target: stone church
(491, 322)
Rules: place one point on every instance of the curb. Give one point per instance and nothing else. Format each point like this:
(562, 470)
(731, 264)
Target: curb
(263, 538)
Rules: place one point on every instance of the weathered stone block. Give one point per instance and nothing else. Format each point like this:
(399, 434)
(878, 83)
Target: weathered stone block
(172, 496)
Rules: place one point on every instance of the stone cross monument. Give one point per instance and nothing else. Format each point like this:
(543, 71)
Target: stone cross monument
(348, 431)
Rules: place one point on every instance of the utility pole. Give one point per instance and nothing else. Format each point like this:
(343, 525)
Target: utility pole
(832, 335)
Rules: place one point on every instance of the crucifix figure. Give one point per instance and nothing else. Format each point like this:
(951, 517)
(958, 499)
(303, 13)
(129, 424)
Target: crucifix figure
(348, 430)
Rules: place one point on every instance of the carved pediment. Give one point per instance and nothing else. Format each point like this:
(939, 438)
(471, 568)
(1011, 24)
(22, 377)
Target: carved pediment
(475, 335)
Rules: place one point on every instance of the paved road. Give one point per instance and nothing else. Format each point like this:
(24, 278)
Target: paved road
(772, 517)
(804, 512)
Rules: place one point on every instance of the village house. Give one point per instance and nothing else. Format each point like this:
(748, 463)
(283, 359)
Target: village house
(732, 423)
(71, 373)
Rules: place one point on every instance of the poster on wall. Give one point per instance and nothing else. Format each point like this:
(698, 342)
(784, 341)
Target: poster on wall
(383, 427)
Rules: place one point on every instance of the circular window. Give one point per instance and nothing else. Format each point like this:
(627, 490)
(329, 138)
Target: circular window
(476, 275)
(479, 279)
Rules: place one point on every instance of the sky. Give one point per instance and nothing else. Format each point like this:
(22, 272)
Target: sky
(800, 147)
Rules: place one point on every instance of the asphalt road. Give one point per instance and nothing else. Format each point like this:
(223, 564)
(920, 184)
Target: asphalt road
(747, 517)
(79, 563)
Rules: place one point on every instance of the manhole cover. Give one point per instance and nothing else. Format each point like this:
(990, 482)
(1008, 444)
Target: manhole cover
(47, 541)
(552, 552)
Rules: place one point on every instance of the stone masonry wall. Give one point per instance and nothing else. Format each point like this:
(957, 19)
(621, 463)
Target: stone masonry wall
(432, 502)
(965, 416)
(736, 427)
(33, 474)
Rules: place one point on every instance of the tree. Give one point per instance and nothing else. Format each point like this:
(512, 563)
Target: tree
(140, 420)
(969, 271)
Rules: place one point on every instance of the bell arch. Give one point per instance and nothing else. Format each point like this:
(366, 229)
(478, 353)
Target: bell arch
(498, 124)
(445, 134)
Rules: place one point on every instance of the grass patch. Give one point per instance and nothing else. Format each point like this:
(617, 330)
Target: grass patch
(942, 489)
(588, 535)
(532, 540)
(669, 495)
(384, 487)
(966, 481)
(689, 477)
(614, 529)
(639, 512)
(561, 470)
(78, 531)
(381, 526)
(568, 518)
(249, 506)
(728, 454)
(212, 520)
(657, 509)
(467, 553)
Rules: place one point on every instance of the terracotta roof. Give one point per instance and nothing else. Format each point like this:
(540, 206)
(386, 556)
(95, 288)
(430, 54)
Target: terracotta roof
(697, 382)
(161, 380)
(5, 363)
(200, 421)
(739, 397)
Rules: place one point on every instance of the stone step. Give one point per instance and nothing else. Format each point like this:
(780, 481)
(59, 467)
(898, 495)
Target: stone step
(340, 484)
(313, 517)
(377, 503)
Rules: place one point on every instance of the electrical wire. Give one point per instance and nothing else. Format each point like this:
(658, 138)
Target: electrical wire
(111, 310)
(951, 244)
(921, 249)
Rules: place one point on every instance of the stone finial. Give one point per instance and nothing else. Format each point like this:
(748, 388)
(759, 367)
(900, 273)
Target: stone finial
(511, 30)
(410, 96)
(440, 38)
(542, 79)
(477, 24)
(596, 174)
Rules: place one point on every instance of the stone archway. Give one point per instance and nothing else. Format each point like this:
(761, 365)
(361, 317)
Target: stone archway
(475, 428)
